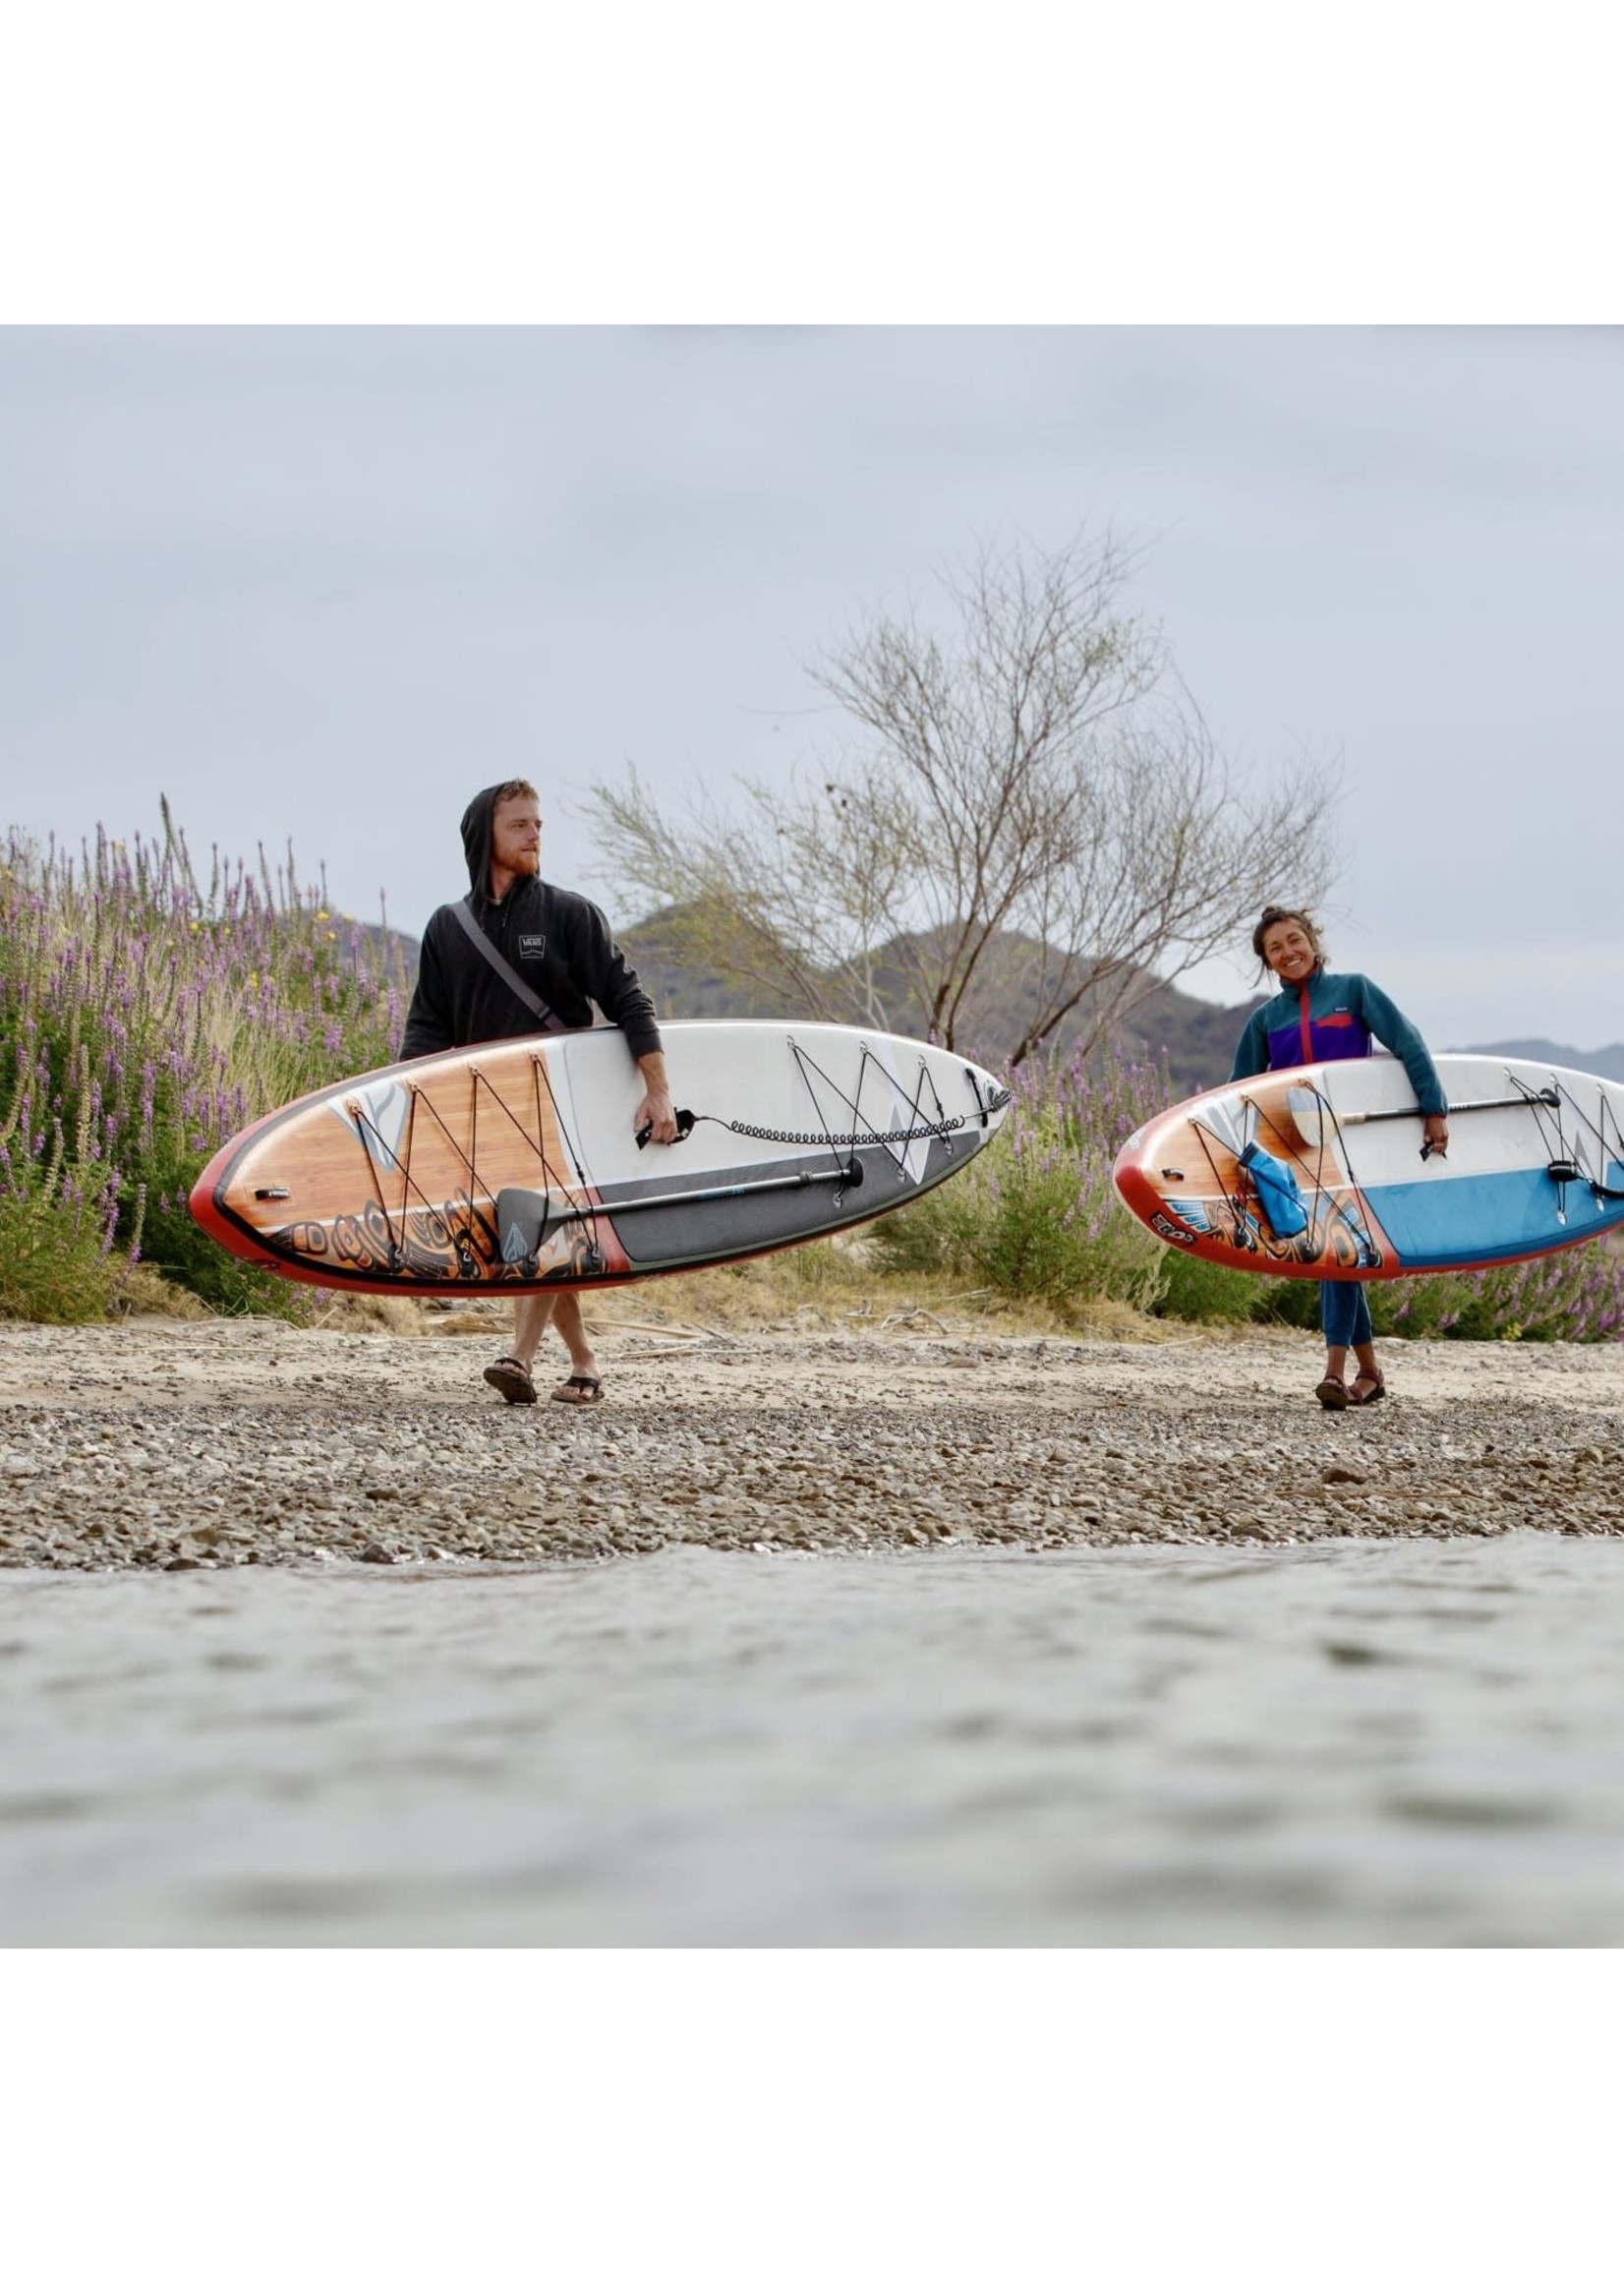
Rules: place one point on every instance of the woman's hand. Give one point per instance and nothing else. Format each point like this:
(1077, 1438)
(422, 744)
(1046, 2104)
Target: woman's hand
(1437, 1132)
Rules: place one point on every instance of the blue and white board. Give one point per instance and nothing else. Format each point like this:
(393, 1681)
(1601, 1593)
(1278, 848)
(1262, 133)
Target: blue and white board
(1317, 1172)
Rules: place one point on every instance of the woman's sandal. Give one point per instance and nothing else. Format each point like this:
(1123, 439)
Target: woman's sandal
(581, 1389)
(1367, 1397)
(1332, 1394)
(511, 1376)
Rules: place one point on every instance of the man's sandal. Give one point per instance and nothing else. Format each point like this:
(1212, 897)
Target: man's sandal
(511, 1376)
(1332, 1394)
(581, 1389)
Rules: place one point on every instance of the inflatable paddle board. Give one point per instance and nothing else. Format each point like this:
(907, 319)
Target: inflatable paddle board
(1318, 1172)
(496, 1170)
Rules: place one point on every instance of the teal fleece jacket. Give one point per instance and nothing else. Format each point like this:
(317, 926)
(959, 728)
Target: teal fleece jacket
(1335, 1016)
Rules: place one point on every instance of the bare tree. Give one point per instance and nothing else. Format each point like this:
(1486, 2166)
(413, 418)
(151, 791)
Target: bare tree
(1032, 803)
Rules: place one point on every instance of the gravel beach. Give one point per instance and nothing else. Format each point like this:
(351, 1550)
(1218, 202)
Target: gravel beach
(183, 1444)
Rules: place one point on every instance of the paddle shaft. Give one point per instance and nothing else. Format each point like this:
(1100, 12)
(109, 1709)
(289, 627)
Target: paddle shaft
(1564, 1171)
(713, 1193)
(1545, 1097)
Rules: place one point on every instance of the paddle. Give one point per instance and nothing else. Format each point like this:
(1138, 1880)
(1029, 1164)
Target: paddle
(1310, 1120)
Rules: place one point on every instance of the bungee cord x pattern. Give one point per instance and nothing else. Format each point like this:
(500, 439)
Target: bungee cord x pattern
(944, 1125)
(1562, 1162)
(471, 1233)
(1336, 1211)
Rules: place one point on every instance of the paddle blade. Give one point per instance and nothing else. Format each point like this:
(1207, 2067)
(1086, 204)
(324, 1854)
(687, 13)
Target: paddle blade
(1310, 1115)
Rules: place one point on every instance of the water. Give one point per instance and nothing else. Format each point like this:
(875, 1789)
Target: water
(1405, 1743)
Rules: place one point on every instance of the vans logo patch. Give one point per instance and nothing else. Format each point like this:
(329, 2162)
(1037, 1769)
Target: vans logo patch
(532, 944)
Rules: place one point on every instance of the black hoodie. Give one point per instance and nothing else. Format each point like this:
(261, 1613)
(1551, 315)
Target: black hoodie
(558, 943)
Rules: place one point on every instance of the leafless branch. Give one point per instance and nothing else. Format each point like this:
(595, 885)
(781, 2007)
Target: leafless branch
(1031, 800)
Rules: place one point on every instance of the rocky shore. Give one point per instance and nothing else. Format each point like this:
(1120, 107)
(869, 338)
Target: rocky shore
(172, 1445)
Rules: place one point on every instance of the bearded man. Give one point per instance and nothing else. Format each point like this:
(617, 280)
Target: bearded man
(556, 949)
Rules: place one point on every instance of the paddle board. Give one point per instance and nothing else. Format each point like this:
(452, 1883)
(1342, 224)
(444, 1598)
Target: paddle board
(497, 1170)
(1317, 1172)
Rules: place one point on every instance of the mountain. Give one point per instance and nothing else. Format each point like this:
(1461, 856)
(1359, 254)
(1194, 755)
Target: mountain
(1197, 1038)
(1608, 1062)
(382, 947)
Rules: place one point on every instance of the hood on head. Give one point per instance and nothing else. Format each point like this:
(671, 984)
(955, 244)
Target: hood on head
(476, 840)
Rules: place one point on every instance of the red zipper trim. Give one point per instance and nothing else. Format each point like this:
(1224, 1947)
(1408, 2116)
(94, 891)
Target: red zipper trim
(1307, 1024)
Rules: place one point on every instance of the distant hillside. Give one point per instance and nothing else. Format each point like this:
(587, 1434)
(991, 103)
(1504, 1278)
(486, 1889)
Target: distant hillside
(1607, 1063)
(1199, 1037)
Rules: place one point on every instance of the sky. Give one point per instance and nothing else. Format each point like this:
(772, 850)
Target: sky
(320, 584)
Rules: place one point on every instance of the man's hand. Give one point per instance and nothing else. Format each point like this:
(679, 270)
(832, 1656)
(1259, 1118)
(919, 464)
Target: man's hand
(656, 1114)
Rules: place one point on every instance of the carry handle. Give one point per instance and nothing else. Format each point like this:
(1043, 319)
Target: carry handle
(685, 1128)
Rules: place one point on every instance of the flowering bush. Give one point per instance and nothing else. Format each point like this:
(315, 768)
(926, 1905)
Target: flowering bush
(1574, 1295)
(143, 1018)
(154, 1018)
(58, 1214)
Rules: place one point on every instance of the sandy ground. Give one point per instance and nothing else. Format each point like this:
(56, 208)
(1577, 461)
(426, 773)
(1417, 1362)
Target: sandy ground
(178, 1444)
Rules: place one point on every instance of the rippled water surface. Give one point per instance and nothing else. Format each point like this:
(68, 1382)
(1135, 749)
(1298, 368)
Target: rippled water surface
(1405, 1743)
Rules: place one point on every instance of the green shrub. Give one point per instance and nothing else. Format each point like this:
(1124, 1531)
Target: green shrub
(923, 1236)
(1289, 1302)
(1195, 1290)
(1576, 1295)
(1036, 1213)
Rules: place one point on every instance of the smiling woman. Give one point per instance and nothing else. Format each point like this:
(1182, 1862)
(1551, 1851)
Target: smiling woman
(1317, 1015)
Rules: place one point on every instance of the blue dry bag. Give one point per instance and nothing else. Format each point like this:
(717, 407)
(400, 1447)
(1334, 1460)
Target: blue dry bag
(1277, 1194)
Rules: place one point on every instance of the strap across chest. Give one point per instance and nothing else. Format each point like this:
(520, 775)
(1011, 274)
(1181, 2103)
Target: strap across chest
(546, 1016)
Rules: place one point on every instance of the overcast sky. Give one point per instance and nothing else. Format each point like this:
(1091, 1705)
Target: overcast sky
(326, 584)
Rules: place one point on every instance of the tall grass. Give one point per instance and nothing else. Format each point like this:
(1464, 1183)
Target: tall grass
(59, 1215)
(153, 1015)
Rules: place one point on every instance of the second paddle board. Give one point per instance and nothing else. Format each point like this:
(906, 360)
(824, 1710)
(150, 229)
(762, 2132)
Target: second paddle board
(1318, 1172)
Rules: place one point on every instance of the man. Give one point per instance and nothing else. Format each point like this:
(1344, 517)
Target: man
(558, 947)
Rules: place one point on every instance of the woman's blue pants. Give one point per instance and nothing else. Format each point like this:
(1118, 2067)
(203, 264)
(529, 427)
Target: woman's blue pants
(1345, 1313)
